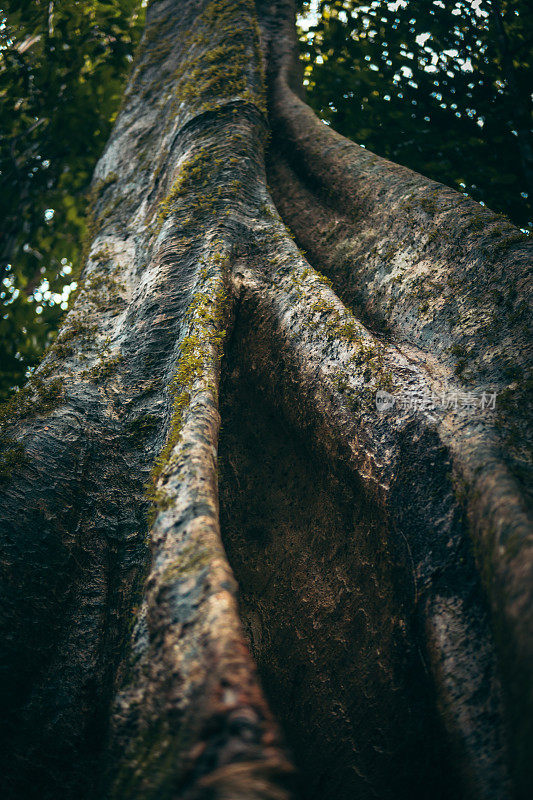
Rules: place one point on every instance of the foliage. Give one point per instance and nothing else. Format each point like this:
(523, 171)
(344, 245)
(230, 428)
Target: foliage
(62, 69)
(441, 87)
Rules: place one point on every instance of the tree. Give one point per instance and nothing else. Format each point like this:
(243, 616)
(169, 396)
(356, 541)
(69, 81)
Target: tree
(370, 479)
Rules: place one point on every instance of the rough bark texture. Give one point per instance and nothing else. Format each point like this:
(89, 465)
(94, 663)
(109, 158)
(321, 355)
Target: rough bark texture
(381, 563)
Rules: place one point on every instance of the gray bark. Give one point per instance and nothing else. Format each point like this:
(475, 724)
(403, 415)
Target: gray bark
(376, 568)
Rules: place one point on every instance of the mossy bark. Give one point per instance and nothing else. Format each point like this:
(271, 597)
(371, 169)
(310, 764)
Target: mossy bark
(383, 560)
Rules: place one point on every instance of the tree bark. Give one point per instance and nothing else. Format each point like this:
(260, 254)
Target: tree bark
(381, 562)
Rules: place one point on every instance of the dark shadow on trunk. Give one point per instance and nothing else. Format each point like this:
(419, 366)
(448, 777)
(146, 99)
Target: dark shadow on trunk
(328, 608)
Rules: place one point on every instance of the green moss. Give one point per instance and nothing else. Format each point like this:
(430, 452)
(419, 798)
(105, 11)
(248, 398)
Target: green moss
(192, 558)
(427, 204)
(268, 211)
(432, 235)
(202, 187)
(155, 33)
(197, 178)
(219, 54)
(102, 255)
(337, 327)
(102, 370)
(38, 398)
(104, 290)
(349, 330)
(197, 349)
(320, 307)
(77, 329)
(103, 293)
(12, 457)
(299, 279)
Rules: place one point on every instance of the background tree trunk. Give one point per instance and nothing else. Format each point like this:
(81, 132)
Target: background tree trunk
(383, 560)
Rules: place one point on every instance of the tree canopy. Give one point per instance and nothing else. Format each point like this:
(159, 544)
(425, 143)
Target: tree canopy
(62, 69)
(439, 87)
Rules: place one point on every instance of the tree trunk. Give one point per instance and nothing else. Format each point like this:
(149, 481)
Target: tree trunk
(381, 560)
